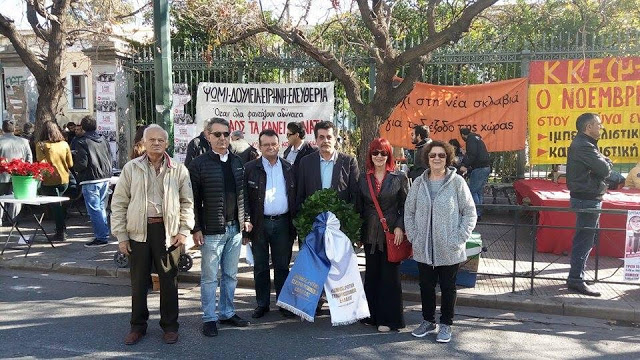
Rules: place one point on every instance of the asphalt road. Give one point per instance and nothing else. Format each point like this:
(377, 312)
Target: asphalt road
(65, 316)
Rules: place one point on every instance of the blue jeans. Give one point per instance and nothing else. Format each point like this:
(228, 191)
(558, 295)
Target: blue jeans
(220, 251)
(584, 238)
(95, 198)
(477, 180)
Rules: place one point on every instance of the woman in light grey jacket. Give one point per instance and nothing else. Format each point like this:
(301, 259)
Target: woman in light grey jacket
(439, 216)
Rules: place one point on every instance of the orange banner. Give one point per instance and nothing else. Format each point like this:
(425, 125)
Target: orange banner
(496, 111)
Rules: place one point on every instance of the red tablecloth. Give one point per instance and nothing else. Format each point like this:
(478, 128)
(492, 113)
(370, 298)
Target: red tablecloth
(547, 193)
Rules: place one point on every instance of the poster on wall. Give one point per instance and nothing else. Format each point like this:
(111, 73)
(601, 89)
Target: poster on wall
(256, 107)
(184, 127)
(496, 111)
(632, 247)
(562, 90)
(106, 107)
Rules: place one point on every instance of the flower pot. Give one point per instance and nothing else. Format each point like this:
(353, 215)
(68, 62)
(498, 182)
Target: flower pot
(24, 187)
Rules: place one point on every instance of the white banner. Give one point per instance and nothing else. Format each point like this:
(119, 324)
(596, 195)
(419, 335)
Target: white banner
(106, 107)
(256, 107)
(632, 247)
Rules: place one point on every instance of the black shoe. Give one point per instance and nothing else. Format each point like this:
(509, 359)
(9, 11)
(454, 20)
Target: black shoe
(96, 243)
(259, 312)
(286, 313)
(582, 288)
(60, 237)
(210, 329)
(367, 321)
(235, 320)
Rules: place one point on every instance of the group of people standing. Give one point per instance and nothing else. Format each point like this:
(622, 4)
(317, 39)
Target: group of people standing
(224, 203)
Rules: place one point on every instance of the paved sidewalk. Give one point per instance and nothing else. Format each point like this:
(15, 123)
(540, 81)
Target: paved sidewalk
(619, 302)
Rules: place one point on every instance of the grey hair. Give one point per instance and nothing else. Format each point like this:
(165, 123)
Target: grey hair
(216, 120)
(155, 126)
(238, 133)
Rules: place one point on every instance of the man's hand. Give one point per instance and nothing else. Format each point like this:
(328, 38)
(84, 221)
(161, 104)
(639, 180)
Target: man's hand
(245, 241)
(125, 247)
(179, 240)
(248, 226)
(399, 236)
(463, 169)
(197, 238)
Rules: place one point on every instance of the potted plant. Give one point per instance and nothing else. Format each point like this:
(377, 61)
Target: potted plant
(25, 176)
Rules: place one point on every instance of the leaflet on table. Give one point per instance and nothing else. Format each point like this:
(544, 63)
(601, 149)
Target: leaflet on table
(632, 247)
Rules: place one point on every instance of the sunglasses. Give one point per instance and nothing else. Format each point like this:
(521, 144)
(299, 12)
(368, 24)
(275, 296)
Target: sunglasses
(440, 155)
(379, 153)
(289, 134)
(220, 133)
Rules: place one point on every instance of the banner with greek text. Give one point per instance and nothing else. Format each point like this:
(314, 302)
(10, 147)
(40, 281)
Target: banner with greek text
(496, 111)
(561, 90)
(632, 247)
(256, 107)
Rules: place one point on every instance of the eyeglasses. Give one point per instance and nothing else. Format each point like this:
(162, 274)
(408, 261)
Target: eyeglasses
(440, 155)
(220, 133)
(379, 153)
(289, 134)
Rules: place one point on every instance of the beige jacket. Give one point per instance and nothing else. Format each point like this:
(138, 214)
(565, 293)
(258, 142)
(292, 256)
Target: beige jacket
(633, 179)
(129, 201)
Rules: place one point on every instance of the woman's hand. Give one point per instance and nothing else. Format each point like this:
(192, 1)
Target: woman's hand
(399, 236)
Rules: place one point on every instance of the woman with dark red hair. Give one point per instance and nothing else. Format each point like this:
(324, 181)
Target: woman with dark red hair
(382, 278)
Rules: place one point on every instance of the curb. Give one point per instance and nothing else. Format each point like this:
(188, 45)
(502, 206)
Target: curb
(588, 308)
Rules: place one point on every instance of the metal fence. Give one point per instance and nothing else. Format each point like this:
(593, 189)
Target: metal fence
(464, 63)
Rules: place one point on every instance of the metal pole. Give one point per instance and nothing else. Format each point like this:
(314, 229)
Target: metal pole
(522, 154)
(162, 66)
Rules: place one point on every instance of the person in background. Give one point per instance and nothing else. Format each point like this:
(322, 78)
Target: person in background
(138, 143)
(27, 133)
(70, 132)
(11, 147)
(587, 170)
(298, 148)
(439, 215)
(420, 138)
(242, 148)
(477, 165)
(52, 148)
(198, 145)
(382, 284)
(633, 178)
(458, 155)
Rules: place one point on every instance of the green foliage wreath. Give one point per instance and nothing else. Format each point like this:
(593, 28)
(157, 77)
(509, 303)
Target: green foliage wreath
(327, 200)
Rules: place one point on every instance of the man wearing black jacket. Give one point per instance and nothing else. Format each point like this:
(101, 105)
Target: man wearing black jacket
(271, 190)
(93, 168)
(198, 145)
(477, 165)
(586, 170)
(298, 148)
(217, 179)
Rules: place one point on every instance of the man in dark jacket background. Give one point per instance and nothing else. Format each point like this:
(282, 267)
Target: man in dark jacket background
(271, 191)
(93, 168)
(420, 138)
(298, 148)
(217, 179)
(478, 166)
(242, 148)
(586, 170)
(198, 145)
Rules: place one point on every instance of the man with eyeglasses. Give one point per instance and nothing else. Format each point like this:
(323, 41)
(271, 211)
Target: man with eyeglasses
(298, 148)
(217, 178)
(271, 192)
(198, 145)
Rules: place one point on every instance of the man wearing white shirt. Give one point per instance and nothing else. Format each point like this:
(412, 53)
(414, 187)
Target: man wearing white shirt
(270, 185)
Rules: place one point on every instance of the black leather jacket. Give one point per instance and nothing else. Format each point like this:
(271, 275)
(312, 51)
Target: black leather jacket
(197, 146)
(256, 183)
(92, 158)
(207, 181)
(586, 169)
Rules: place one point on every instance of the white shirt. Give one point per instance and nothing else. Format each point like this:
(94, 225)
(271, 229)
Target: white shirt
(275, 194)
(223, 157)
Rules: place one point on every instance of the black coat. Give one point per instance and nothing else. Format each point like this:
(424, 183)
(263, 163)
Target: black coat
(477, 155)
(92, 158)
(207, 181)
(197, 146)
(586, 169)
(344, 178)
(305, 150)
(256, 183)
(391, 198)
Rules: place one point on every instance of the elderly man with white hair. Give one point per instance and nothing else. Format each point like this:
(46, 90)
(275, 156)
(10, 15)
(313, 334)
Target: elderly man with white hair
(152, 215)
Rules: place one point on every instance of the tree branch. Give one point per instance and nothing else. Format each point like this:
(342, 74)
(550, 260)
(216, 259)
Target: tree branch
(451, 34)
(30, 60)
(379, 37)
(431, 7)
(133, 13)
(32, 17)
(38, 7)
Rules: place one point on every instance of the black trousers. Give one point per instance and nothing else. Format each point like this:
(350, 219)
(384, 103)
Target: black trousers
(274, 235)
(429, 277)
(59, 210)
(383, 289)
(143, 255)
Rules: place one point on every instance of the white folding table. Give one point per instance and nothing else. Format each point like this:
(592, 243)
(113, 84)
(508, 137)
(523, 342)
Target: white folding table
(39, 200)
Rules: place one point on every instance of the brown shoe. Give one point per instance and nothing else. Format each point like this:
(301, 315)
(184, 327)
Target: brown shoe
(133, 337)
(170, 337)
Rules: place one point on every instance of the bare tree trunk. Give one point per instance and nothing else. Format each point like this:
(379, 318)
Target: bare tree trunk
(49, 95)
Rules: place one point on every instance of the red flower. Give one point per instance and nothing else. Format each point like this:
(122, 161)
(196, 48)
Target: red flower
(20, 167)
